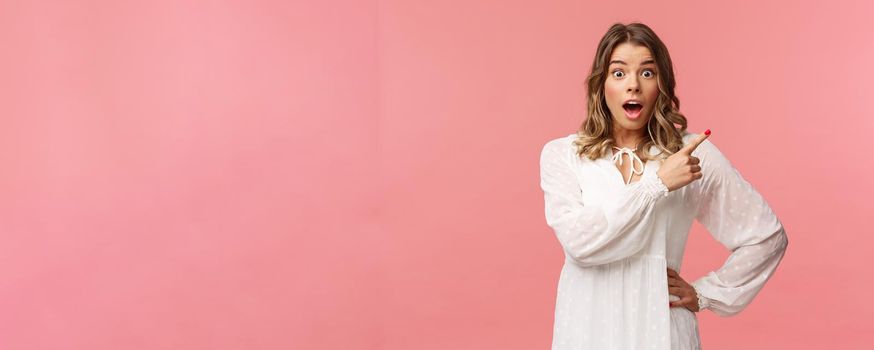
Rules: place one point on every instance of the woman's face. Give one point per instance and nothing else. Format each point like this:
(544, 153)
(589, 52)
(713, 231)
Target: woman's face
(631, 76)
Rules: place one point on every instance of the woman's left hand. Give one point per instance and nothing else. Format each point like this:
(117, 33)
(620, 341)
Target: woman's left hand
(678, 286)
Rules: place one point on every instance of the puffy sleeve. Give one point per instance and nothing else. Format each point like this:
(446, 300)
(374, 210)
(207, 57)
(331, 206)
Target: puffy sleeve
(589, 234)
(739, 218)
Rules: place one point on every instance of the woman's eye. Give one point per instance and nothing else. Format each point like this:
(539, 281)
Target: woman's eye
(647, 73)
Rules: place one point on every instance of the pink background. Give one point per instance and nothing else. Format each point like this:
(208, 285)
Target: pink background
(364, 175)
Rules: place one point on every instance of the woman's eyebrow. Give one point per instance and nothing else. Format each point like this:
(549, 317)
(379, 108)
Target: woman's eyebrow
(623, 63)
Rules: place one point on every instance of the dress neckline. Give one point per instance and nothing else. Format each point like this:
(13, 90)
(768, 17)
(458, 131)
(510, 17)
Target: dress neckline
(617, 156)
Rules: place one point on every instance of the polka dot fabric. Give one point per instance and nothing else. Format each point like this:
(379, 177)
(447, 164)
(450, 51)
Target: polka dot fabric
(618, 239)
(737, 216)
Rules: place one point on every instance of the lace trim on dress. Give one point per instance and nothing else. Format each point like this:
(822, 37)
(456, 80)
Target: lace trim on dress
(703, 302)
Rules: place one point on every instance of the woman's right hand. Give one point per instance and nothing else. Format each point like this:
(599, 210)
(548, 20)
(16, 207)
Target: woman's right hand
(681, 168)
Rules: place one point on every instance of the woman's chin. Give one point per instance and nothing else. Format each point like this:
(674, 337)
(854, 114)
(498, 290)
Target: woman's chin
(632, 124)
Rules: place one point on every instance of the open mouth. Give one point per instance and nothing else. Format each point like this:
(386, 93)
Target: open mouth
(632, 109)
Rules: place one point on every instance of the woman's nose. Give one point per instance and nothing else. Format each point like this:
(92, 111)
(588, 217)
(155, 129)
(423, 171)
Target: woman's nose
(633, 86)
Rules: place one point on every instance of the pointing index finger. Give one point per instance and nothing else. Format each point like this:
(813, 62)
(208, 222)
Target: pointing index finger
(697, 141)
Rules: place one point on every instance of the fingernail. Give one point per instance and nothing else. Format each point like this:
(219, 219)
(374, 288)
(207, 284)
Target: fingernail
(707, 132)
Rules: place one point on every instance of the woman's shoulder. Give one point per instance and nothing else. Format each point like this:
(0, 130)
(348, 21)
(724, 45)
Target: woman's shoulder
(560, 145)
(713, 160)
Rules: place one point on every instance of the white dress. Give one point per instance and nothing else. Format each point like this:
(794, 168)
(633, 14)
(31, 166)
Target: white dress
(619, 238)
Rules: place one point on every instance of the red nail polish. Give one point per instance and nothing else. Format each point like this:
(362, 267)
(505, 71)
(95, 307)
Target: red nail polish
(707, 132)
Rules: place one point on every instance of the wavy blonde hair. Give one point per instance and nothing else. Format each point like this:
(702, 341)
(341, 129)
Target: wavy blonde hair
(595, 136)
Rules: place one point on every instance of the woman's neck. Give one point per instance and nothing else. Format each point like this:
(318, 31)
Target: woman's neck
(627, 138)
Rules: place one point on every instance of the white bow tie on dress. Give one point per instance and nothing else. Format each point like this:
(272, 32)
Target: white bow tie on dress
(633, 156)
